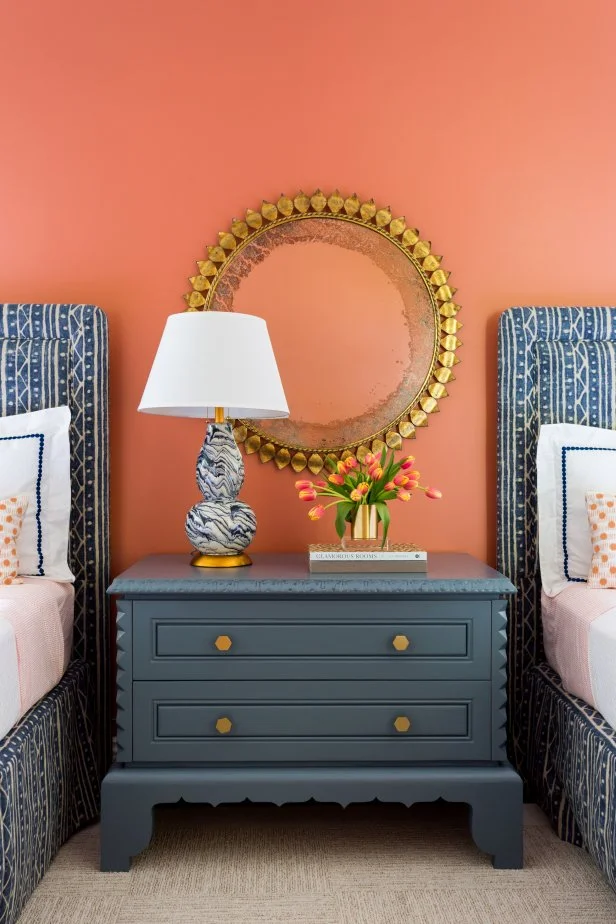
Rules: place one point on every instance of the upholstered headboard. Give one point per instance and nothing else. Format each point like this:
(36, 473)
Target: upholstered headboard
(52, 355)
(555, 365)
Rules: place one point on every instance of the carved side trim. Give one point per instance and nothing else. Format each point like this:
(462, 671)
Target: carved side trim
(124, 680)
(499, 680)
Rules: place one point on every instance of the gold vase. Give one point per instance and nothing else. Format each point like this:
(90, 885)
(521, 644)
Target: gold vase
(365, 523)
(364, 531)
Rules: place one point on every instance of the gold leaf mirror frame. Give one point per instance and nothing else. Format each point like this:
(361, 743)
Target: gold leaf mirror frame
(427, 265)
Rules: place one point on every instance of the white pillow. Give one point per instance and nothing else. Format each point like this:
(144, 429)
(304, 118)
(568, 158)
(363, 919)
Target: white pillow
(35, 460)
(571, 460)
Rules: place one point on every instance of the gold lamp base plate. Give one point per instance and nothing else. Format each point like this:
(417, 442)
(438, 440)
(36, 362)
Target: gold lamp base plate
(220, 561)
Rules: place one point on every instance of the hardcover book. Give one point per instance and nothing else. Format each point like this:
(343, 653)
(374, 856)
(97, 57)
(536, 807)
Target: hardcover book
(397, 557)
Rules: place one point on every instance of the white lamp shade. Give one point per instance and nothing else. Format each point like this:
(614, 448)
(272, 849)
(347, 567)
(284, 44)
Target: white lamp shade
(210, 359)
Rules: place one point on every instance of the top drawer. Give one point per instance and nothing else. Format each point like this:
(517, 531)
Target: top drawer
(310, 639)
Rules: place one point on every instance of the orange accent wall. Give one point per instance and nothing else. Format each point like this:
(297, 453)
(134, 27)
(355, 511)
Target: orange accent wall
(132, 132)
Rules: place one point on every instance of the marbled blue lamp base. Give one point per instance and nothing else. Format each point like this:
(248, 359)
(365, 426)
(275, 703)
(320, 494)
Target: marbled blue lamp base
(220, 526)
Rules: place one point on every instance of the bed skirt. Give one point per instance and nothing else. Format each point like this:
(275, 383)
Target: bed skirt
(49, 786)
(571, 765)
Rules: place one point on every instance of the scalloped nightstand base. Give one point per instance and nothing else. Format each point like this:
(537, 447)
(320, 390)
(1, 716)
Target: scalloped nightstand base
(494, 796)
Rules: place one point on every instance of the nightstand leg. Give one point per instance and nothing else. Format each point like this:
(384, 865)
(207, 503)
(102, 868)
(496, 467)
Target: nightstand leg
(126, 821)
(496, 822)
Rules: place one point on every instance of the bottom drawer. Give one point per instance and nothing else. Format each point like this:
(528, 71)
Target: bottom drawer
(231, 722)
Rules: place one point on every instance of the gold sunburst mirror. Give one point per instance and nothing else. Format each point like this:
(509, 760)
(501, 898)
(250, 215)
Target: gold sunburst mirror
(361, 317)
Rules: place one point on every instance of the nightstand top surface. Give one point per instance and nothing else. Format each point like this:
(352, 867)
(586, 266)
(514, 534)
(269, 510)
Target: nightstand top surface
(287, 573)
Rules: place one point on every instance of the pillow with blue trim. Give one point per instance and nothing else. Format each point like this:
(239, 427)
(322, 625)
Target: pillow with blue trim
(572, 460)
(35, 461)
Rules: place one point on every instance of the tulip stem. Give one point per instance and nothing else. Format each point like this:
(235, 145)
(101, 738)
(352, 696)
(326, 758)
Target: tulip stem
(329, 492)
(334, 503)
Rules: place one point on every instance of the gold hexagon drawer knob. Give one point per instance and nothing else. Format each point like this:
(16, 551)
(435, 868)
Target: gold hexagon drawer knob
(402, 724)
(401, 642)
(223, 643)
(223, 725)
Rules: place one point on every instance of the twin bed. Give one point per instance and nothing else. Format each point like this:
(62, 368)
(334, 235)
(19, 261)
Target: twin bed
(555, 364)
(51, 761)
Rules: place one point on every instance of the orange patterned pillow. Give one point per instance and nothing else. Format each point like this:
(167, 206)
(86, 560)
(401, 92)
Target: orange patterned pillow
(12, 511)
(601, 509)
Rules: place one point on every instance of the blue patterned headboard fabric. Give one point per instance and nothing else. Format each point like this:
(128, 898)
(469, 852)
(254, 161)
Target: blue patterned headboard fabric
(52, 355)
(555, 365)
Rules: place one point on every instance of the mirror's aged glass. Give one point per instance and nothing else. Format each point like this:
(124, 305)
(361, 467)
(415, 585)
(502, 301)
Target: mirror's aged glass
(364, 310)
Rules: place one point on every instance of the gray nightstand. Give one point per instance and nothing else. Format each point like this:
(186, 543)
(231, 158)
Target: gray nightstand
(271, 684)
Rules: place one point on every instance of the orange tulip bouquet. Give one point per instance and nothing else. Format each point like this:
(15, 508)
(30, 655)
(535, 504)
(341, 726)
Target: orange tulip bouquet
(351, 484)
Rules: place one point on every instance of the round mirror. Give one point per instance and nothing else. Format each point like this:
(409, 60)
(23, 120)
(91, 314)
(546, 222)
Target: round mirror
(364, 311)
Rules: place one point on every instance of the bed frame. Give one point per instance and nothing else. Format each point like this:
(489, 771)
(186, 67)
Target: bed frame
(554, 365)
(51, 763)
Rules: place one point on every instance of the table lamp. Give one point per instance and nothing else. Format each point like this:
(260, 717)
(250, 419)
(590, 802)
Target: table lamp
(217, 365)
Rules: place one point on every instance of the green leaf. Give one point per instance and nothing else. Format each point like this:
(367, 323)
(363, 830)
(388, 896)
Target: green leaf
(391, 469)
(383, 512)
(383, 456)
(386, 496)
(342, 510)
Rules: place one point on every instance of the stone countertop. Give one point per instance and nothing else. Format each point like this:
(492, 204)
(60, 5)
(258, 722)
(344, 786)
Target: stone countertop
(287, 573)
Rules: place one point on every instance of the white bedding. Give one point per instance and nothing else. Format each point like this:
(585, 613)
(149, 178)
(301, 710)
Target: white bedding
(579, 633)
(36, 632)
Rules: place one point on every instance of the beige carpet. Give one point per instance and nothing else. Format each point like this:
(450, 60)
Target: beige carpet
(320, 864)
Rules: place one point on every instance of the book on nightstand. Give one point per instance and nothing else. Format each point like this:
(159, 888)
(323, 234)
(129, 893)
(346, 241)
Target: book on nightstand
(398, 557)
